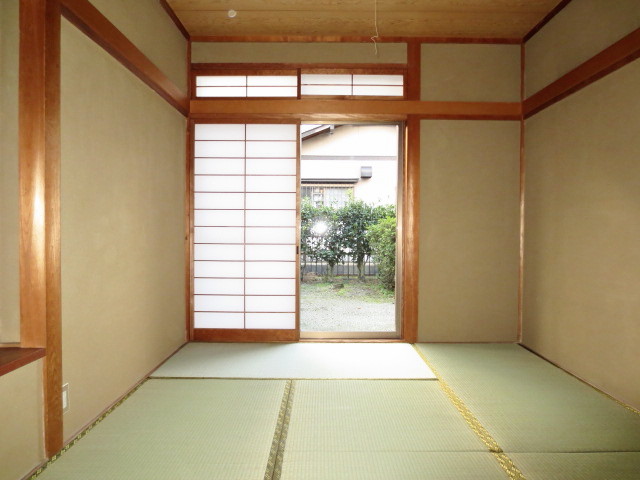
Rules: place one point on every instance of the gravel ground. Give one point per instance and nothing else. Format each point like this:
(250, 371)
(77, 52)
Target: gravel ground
(352, 308)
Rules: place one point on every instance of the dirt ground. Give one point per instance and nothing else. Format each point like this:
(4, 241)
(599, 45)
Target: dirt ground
(346, 306)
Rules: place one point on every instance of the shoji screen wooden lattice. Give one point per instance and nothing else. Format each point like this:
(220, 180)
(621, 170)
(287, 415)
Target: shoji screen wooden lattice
(245, 226)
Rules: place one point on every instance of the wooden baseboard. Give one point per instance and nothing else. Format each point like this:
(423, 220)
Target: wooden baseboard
(244, 335)
(129, 390)
(583, 380)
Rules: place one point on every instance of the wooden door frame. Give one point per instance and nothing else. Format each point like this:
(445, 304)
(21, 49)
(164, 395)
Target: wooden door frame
(398, 334)
(408, 225)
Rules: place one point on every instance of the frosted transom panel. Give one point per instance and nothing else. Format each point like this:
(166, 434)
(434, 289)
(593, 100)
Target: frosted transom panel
(246, 86)
(245, 224)
(352, 85)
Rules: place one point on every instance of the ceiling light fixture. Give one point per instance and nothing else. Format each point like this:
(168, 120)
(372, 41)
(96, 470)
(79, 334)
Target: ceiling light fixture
(232, 13)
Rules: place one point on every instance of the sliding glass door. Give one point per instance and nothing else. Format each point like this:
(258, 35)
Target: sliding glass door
(245, 232)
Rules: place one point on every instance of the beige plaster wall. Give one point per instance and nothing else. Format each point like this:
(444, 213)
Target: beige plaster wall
(581, 30)
(469, 224)
(148, 26)
(582, 261)
(123, 170)
(468, 72)
(241, 52)
(21, 441)
(9, 280)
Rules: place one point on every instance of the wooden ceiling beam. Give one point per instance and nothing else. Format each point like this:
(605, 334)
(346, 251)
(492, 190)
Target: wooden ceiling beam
(548, 17)
(96, 26)
(350, 39)
(624, 51)
(397, 109)
(174, 18)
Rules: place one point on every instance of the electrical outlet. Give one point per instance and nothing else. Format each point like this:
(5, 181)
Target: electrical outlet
(65, 398)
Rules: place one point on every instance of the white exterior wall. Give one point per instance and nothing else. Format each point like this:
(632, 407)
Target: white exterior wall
(336, 157)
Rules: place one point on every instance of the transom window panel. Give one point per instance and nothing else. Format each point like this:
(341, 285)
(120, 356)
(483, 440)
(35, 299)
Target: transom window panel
(340, 84)
(245, 226)
(221, 86)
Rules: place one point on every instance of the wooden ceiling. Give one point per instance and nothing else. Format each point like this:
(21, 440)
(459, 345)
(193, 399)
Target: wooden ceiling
(482, 19)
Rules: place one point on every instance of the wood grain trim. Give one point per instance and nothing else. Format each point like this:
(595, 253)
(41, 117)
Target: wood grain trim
(245, 71)
(401, 70)
(39, 186)
(607, 61)
(14, 357)
(392, 109)
(547, 18)
(189, 226)
(350, 39)
(410, 231)
(259, 67)
(521, 236)
(314, 339)
(175, 19)
(188, 209)
(244, 335)
(190, 78)
(298, 223)
(97, 27)
(412, 79)
(522, 200)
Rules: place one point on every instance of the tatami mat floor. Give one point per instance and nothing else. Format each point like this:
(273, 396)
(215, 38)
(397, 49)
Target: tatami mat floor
(497, 412)
(296, 360)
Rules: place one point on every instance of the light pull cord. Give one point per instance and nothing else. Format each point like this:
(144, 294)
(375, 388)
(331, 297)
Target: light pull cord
(375, 23)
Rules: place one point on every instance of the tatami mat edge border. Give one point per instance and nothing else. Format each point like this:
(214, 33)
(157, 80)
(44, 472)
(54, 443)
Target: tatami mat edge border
(503, 459)
(276, 455)
(79, 437)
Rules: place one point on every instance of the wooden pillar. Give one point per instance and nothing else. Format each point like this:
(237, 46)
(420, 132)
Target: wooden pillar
(410, 227)
(39, 146)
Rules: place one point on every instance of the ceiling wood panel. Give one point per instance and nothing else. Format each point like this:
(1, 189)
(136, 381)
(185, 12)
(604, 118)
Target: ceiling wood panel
(499, 19)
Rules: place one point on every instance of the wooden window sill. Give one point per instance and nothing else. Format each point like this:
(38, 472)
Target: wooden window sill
(12, 358)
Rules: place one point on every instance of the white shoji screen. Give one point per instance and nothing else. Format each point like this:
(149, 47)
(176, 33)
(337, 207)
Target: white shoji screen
(246, 86)
(352, 85)
(245, 226)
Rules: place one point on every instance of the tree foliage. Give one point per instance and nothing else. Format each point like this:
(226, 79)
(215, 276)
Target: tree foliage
(382, 238)
(327, 245)
(354, 218)
(346, 232)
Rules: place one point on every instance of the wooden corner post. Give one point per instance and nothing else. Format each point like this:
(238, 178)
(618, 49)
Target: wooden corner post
(411, 227)
(39, 187)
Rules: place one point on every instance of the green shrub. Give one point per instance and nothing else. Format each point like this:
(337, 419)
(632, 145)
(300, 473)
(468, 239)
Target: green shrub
(354, 218)
(329, 246)
(346, 233)
(382, 238)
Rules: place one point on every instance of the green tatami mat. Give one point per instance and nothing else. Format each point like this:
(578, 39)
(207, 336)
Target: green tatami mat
(343, 429)
(296, 360)
(529, 405)
(579, 466)
(180, 429)
(391, 466)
